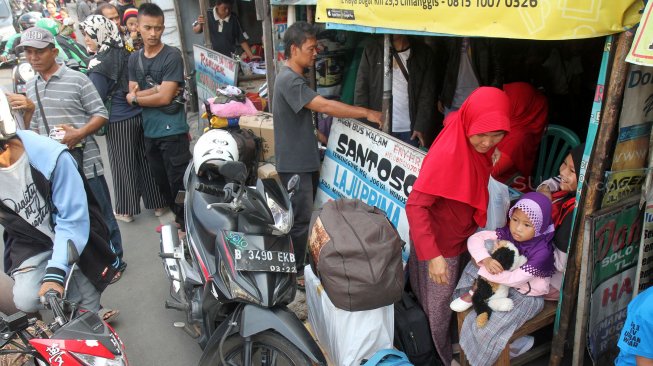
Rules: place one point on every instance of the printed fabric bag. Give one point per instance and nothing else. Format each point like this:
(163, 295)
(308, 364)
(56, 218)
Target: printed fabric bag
(357, 255)
(388, 357)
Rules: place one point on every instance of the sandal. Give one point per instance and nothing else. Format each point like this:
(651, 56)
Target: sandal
(108, 315)
(116, 277)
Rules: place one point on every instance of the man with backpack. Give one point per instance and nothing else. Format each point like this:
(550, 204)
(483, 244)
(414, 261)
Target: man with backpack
(42, 212)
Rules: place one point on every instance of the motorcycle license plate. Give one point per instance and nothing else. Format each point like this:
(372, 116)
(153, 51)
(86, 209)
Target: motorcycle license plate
(264, 261)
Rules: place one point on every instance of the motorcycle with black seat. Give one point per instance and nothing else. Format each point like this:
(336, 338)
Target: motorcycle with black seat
(234, 272)
(75, 337)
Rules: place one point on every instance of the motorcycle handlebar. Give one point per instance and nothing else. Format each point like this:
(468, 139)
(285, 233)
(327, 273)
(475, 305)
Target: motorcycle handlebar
(53, 301)
(204, 188)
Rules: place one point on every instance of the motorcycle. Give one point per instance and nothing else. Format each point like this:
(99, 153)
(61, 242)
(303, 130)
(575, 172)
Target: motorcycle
(75, 337)
(234, 272)
(21, 72)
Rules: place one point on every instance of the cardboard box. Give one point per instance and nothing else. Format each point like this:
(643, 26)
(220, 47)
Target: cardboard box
(262, 126)
(267, 170)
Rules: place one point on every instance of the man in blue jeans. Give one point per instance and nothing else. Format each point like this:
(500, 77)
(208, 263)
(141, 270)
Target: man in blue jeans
(64, 104)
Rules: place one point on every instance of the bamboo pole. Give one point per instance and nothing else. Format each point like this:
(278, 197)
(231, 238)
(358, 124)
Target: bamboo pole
(264, 14)
(386, 103)
(591, 196)
(204, 7)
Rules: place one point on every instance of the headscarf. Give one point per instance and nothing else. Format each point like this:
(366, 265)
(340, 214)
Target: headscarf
(563, 201)
(539, 249)
(453, 169)
(111, 57)
(528, 118)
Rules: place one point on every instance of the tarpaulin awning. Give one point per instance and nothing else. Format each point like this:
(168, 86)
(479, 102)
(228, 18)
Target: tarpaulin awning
(521, 19)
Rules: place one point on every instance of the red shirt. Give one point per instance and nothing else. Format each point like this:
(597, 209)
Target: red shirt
(439, 226)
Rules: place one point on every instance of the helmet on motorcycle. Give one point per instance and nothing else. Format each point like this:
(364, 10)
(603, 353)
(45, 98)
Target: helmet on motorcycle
(213, 149)
(7, 121)
(49, 24)
(28, 20)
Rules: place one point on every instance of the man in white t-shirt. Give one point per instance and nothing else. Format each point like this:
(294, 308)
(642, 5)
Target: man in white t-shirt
(413, 88)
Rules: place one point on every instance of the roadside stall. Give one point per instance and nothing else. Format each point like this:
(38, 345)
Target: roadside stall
(353, 168)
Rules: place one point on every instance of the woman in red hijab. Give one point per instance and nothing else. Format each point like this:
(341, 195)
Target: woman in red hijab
(528, 119)
(449, 202)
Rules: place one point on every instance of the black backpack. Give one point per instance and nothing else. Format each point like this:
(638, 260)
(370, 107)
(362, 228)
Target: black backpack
(249, 147)
(412, 332)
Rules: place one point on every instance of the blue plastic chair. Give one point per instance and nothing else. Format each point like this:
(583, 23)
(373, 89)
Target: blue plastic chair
(554, 147)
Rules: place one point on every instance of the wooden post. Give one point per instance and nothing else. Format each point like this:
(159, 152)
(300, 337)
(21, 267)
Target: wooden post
(591, 195)
(386, 103)
(204, 7)
(264, 14)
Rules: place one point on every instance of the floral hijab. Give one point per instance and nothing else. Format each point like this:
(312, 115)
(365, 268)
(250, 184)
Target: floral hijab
(111, 57)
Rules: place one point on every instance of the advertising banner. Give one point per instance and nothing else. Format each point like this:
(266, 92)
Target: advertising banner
(641, 52)
(645, 264)
(523, 19)
(365, 163)
(616, 236)
(213, 70)
(621, 185)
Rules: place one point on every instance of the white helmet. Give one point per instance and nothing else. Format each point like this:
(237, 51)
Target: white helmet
(213, 148)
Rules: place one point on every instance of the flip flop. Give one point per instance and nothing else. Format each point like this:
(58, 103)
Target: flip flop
(109, 315)
(116, 277)
(301, 283)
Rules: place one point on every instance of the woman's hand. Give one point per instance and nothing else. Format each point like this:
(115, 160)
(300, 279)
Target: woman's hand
(496, 155)
(545, 190)
(492, 265)
(439, 270)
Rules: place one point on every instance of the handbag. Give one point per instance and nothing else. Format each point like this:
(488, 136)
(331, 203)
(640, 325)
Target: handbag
(388, 357)
(178, 102)
(102, 131)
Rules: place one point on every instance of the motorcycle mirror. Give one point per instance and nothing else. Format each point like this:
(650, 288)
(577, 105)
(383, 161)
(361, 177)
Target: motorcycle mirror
(73, 254)
(293, 183)
(234, 170)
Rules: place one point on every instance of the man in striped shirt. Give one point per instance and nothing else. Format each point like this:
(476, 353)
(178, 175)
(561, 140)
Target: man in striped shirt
(64, 104)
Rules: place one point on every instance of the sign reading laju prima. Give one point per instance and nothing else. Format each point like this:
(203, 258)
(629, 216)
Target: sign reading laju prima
(616, 233)
(213, 70)
(524, 19)
(367, 164)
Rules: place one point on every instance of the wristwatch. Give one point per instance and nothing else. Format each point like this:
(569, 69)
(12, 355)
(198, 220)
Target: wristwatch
(135, 101)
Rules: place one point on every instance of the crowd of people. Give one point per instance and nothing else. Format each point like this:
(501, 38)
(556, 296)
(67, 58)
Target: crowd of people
(128, 92)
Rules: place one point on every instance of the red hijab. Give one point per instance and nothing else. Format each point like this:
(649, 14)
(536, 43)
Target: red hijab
(528, 118)
(453, 169)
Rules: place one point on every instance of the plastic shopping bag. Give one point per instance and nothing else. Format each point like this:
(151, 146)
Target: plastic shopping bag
(498, 205)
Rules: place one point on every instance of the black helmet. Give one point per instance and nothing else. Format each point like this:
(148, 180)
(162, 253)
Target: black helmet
(28, 20)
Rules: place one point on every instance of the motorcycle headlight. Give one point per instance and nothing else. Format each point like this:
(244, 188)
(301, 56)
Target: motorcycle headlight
(25, 71)
(282, 218)
(88, 360)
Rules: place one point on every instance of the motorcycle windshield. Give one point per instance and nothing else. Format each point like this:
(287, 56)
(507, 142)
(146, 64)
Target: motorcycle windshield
(259, 269)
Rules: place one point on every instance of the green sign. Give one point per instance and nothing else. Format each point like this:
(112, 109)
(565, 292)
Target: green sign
(616, 236)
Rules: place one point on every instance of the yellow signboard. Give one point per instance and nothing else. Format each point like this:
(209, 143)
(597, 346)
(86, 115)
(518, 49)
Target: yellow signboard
(641, 52)
(525, 19)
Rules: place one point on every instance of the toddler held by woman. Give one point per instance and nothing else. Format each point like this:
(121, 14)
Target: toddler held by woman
(531, 230)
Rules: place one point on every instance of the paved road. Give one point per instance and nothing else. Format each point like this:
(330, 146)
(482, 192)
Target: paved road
(144, 325)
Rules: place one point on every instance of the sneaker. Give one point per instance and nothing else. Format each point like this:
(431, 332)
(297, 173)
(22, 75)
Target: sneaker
(124, 218)
(158, 212)
(462, 303)
(521, 345)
